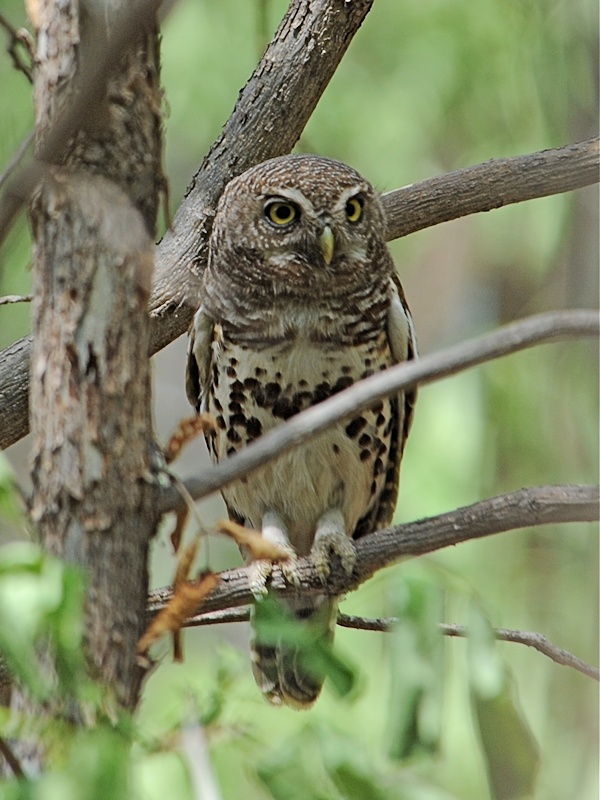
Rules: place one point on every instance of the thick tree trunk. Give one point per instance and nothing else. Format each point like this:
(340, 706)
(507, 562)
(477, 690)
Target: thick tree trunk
(93, 497)
(93, 218)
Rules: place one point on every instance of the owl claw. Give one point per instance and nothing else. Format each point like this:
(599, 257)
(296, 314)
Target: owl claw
(333, 542)
(260, 572)
(262, 569)
(290, 571)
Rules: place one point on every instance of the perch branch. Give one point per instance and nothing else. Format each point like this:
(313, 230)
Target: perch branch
(523, 508)
(298, 430)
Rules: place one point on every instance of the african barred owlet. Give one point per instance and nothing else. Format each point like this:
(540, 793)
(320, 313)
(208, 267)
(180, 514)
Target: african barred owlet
(299, 301)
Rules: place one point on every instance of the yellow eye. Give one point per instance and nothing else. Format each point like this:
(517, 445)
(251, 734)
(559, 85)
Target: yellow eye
(354, 209)
(280, 213)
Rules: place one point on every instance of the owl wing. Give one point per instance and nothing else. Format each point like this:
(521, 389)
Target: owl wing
(199, 357)
(402, 341)
(201, 345)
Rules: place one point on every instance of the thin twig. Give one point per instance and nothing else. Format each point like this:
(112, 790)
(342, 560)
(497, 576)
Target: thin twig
(11, 759)
(15, 298)
(302, 428)
(385, 624)
(17, 158)
(529, 507)
(536, 640)
(19, 38)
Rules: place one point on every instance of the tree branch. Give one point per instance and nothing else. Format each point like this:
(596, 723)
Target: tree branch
(93, 77)
(494, 184)
(15, 298)
(524, 508)
(536, 640)
(525, 333)
(19, 38)
(11, 759)
(386, 624)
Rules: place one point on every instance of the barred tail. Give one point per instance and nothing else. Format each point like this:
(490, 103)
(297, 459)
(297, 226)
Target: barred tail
(288, 673)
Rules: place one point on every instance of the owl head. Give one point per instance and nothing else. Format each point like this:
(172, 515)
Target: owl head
(298, 226)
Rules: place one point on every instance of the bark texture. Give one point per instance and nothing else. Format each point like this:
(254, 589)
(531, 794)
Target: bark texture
(93, 496)
(93, 218)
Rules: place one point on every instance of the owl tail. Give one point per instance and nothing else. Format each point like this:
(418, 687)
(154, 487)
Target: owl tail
(287, 667)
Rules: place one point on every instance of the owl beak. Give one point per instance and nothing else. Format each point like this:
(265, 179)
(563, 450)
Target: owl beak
(326, 243)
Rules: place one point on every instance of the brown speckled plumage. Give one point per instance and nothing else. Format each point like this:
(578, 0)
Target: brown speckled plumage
(299, 301)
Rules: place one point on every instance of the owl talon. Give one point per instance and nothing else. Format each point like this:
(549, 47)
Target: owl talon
(262, 569)
(260, 572)
(290, 571)
(324, 547)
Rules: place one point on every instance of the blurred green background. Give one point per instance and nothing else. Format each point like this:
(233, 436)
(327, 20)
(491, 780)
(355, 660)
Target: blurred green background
(424, 88)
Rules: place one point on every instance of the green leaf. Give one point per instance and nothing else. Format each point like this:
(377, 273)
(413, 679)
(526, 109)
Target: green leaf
(355, 783)
(275, 624)
(160, 776)
(510, 751)
(295, 771)
(97, 768)
(46, 597)
(9, 501)
(417, 667)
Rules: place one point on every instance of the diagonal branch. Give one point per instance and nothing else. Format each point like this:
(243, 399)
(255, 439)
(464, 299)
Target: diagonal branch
(93, 79)
(298, 430)
(290, 78)
(536, 640)
(524, 508)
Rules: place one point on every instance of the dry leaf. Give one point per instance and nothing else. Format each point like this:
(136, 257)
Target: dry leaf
(187, 598)
(177, 533)
(186, 430)
(184, 563)
(254, 542)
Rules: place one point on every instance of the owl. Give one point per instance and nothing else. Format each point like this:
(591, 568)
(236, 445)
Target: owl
(299, 301)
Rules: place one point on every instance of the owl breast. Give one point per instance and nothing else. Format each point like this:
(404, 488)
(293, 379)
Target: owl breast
(253, 390)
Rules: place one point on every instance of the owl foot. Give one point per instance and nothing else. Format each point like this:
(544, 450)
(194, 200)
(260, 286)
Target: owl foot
(331, 538)
(274, 533)
(262, 569)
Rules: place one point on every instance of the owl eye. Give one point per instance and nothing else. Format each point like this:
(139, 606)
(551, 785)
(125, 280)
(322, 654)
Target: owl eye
(281, 214)
(354, 209)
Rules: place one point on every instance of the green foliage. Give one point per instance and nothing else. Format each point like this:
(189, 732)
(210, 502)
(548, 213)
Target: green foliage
(274, 624)
(9, 508)
(509, 748)
(416, 694)
(46, 597)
